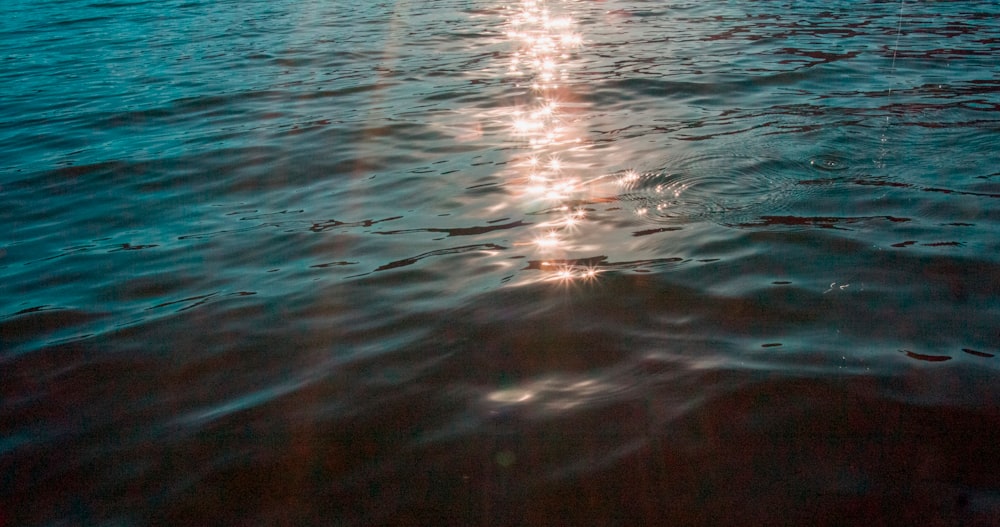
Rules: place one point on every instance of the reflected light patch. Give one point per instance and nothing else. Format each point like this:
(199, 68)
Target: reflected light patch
(630, 176)
(571, 40)
(564, 274)
(524, 126)
(559, 23)
(549, 241)
(573, 218)
(569, 273)
(513, 395)
(559, 393)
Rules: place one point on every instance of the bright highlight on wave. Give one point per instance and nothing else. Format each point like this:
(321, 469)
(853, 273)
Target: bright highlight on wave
(551, 178)
(544, 42)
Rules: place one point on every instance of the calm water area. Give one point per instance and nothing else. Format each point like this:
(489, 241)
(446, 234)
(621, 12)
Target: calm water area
(526, 263)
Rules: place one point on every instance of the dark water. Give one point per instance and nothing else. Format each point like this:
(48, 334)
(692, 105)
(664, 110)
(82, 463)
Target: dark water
(483, 263)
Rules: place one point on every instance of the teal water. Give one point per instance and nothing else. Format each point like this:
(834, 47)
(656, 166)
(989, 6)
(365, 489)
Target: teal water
(480, 263)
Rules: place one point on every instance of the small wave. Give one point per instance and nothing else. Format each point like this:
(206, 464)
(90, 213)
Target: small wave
(42, 324)
(830, 162)
(717, 187)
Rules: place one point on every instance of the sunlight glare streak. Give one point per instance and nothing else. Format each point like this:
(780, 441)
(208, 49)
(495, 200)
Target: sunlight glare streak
(549, 241)
(545, 43)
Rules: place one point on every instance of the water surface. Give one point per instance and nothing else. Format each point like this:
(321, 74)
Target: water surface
(480, 263)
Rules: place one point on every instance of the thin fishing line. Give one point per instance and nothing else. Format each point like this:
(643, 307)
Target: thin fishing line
(895, 48)
(883, 152)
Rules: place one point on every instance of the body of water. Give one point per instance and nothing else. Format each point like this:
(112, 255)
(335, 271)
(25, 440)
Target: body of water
(467, 262)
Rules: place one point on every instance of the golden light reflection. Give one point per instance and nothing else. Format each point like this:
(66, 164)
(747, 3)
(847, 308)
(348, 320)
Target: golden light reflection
(552, 177)
(569, 273)
(628, 177)
(557, 393)
(544, 41)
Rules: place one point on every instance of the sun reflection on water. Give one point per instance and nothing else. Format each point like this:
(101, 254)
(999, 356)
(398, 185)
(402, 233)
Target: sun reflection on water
(544, 43)
(555, 175)
(555, 394)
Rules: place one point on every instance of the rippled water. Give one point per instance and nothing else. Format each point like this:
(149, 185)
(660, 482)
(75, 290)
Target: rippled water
(481, 263)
